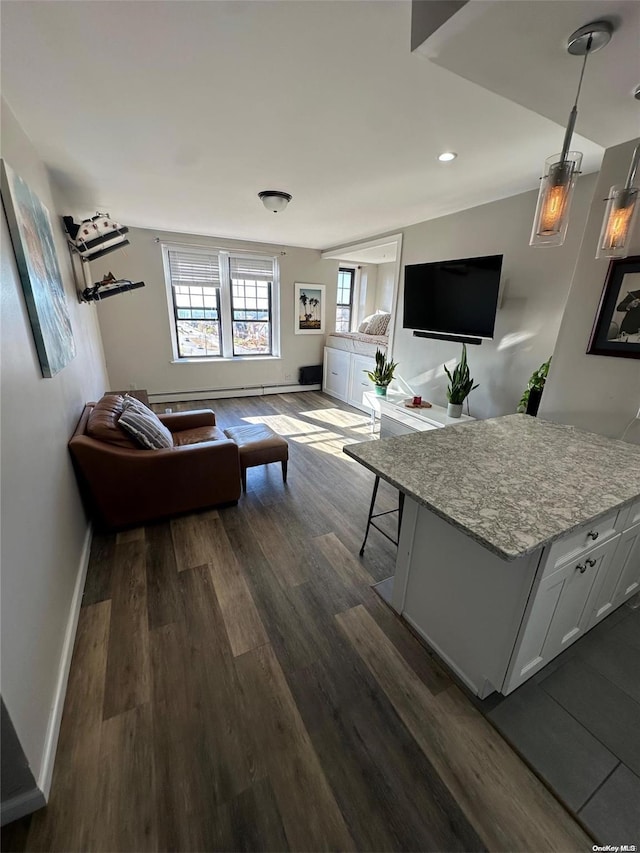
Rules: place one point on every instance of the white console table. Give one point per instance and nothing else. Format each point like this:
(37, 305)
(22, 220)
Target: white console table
(397, 419)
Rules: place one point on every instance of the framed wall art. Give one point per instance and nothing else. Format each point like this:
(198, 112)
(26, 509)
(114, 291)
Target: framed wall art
(34, 247)
(309, 309)
(616, 330)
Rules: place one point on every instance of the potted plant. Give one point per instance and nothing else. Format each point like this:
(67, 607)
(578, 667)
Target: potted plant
(382, 375)
(530, 399)
(460, 385)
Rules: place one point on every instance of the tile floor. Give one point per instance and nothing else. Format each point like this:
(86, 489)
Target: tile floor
(577, 724)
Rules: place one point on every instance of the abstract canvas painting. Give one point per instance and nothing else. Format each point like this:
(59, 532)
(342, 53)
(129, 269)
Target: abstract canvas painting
(32, 238)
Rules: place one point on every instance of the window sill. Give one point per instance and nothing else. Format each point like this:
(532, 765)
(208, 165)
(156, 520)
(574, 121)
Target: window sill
(222, 359)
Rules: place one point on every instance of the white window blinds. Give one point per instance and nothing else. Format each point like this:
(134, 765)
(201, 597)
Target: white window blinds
(254, 269)
(189, 269)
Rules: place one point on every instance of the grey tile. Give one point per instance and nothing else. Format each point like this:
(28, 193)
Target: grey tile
(614, 658)
(384, 589)
(613, 813)
(562, 751)
(628, 629)
(602, 708)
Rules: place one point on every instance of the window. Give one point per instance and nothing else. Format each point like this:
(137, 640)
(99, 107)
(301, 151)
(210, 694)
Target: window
(251, 283)
(222, 304)
(344, 306)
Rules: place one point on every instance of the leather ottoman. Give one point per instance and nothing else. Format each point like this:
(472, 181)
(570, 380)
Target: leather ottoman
(258, 444)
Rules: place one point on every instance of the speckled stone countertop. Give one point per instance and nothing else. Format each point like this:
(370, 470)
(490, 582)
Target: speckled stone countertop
(513, 483)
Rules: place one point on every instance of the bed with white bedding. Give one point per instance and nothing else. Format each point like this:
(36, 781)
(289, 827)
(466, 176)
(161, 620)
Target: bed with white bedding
(357, 342)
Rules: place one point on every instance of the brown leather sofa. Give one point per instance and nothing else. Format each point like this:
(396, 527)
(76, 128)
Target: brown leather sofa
(125, 485)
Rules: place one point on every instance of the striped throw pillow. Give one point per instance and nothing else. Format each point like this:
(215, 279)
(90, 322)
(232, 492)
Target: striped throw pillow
(146, 428)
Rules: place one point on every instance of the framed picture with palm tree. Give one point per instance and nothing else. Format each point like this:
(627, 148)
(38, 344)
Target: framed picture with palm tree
(309, 309)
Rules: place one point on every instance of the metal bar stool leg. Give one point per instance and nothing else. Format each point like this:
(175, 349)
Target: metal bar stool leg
(371, 508)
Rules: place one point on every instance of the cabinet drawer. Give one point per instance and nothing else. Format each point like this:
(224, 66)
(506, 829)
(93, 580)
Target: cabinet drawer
(579, 542)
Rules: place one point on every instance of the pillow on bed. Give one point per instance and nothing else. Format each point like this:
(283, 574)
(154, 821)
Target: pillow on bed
(362, 328)
(378, 324)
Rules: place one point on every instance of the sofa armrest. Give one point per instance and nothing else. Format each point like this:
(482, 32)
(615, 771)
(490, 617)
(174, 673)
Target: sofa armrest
(179, 421)
(132, 486)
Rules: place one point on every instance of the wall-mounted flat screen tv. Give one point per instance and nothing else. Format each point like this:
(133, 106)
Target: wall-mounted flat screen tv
(453, 297)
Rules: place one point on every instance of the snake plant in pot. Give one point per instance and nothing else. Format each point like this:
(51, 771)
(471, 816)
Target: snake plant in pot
(460, 385)
(382, 374)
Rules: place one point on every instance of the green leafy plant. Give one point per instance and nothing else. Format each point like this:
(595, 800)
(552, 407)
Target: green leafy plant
(538, 378)
(383, 372)
(460, 383)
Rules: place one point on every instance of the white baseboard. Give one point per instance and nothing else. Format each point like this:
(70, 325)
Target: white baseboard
(53, 728)
(223, 393)
(21, 805)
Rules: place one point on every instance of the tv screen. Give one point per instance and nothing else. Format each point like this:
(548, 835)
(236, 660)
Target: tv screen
(453, 297)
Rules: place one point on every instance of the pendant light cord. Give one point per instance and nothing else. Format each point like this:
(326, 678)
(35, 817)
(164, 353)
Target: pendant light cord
(573, 115)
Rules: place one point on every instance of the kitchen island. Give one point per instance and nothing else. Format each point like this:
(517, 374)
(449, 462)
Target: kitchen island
(518, 536)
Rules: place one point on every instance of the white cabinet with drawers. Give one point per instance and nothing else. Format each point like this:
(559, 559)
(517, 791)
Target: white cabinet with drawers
(345, 375)
(585, 576)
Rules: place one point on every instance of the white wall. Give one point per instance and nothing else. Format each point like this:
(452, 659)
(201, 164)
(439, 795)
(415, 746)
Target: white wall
(44, 527)
(537, 284)
(385, 286)
(596, 392)
(135, 326)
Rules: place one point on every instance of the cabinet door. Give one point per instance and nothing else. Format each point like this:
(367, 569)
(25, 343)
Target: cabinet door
(561, 613)
(627, 559)
(336, 372)
(573, 614)
(359, 382)
(619, 577)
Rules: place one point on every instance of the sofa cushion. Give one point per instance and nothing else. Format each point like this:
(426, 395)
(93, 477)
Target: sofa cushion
(102, 423)
(146, 428)
(197, 435)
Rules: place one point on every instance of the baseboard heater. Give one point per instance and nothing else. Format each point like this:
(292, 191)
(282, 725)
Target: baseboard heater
(238, 391)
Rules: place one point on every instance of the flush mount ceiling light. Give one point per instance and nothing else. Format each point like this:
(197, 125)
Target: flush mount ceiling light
(620, 215)
(274, 200)
(447, 156)
(561, 170)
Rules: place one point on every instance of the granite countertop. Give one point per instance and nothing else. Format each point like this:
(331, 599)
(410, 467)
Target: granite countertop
(513, 483)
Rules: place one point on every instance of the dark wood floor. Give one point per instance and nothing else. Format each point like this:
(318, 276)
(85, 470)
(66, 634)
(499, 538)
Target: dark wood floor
(237, 685)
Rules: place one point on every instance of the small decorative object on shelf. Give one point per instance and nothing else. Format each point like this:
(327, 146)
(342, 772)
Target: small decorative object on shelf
(95, 237)
(109, 286)
(460, 385)
(417, 403)
(530, 400)
(382, 375)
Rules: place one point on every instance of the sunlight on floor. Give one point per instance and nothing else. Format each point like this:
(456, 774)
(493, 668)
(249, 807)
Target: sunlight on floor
(317, 436)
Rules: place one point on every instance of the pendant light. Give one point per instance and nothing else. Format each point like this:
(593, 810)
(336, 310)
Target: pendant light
(561, 170)
(620, 215)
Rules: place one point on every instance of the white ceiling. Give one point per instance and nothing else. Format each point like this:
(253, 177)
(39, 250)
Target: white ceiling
(542, 75)
(175, 114)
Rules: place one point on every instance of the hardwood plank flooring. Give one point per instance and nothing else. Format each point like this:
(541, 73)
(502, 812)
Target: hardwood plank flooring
(237, 685)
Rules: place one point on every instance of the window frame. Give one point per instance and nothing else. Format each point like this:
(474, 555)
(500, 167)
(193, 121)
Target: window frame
(225, 305)
(270, 310)
(349, 305)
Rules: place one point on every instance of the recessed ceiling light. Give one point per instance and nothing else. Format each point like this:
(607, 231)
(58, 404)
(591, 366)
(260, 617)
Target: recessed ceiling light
(446, 156)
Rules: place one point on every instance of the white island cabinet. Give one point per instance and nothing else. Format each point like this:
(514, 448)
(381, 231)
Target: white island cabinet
(503, 561)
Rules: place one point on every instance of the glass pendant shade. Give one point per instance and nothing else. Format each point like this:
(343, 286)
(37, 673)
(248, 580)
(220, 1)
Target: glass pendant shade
(554, 199)
(619, 219)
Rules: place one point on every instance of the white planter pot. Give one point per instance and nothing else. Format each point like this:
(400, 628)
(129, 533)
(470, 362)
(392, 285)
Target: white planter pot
(454, 410)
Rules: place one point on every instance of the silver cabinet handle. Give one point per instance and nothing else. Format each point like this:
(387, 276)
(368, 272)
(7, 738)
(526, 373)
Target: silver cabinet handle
(593, 534)
(333, 373)
(590, 562)
(582, 569)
